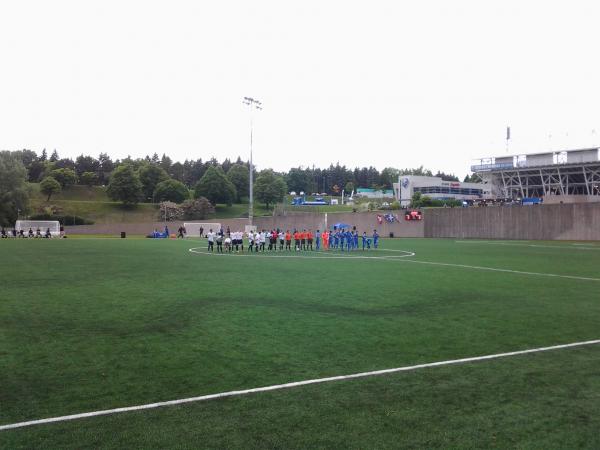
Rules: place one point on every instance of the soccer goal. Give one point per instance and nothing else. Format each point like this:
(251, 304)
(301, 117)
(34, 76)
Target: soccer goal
(193, 228)
(42, 225)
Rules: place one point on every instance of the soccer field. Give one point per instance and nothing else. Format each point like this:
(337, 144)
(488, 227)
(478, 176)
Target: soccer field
(97, 324)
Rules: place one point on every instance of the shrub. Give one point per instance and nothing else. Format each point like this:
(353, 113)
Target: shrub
(169, 211)
(198, 209)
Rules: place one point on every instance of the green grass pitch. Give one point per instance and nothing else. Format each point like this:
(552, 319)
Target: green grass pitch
(92, 324)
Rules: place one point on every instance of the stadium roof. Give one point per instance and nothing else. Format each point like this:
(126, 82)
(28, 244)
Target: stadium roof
(542, 153)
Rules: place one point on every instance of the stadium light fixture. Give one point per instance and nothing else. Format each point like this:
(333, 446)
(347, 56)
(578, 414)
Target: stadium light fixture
(252, 104)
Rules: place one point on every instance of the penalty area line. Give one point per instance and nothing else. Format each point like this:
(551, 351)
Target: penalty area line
(290, 385)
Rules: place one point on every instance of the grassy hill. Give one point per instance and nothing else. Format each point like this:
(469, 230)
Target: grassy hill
(92, 203)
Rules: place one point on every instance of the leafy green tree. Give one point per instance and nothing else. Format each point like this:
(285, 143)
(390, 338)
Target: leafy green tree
(86, 164)
(88, 178)
(150, 175)
(269, 187)
(300, 180)
(35, 171)
(418, 171)
(49, 186)
(389, 176)
(446, 176)
(197, 209)
(125, 185)
(64, 163)
(66, 177)
(473, 178)
(13, 188)
(415, 201)
(239, 176)
(215, 186)
(171, 190)
(349, 187)
(106, 166)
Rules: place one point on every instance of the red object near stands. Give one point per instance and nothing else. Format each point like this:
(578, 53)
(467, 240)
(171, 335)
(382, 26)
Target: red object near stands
(413, 215)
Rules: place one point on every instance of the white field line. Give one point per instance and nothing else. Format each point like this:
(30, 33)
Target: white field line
(289, 385)
(560, 247)
(493, 269)
(397, 258)
(336, 254)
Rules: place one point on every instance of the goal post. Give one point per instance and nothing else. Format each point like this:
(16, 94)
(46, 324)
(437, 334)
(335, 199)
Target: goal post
(42, 225)
(192, 229)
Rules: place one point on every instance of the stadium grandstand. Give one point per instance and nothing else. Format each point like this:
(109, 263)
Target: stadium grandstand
(570, 176)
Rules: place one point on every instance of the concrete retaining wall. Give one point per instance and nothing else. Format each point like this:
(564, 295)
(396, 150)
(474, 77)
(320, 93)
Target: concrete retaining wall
(580, 221)
(314, 221)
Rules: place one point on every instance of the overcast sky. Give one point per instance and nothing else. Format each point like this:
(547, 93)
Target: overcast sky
(392, 83)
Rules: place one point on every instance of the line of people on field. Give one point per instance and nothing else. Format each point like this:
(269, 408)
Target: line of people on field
(278, 240)
(21, 233)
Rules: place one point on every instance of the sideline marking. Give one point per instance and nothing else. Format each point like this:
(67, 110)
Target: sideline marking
(493, 269)
(289, 385)
(336, 254)
(561, 247)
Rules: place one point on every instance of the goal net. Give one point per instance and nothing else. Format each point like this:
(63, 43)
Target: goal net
(42, 225)
(193, 228)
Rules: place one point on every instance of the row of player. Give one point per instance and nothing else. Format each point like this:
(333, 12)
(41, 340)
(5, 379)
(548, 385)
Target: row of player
(278, 240)
(21, 233)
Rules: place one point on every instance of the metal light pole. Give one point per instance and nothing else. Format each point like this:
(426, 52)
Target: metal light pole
(252, 105)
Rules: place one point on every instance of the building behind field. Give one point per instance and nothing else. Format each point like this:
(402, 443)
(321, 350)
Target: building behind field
(374, 193)
(438, 189)
(570, 176)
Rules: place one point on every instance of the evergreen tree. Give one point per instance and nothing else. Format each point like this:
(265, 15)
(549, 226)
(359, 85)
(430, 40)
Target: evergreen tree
(239, 176)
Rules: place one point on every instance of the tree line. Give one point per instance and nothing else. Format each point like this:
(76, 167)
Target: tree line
(89, 170)
(156, 179)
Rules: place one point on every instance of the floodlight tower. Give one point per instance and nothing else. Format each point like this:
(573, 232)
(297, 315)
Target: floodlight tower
(252, 104)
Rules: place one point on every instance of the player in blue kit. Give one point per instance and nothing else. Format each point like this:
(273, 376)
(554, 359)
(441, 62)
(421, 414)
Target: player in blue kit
(375, 239)
(318, 240)
(366, 242)
(355, 240)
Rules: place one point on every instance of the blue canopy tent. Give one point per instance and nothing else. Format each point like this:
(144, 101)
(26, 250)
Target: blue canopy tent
(341, 225)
